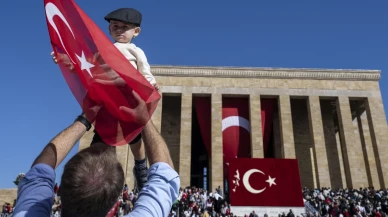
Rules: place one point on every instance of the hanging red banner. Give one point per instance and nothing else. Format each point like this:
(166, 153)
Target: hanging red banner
(260, 182)
(236, 130)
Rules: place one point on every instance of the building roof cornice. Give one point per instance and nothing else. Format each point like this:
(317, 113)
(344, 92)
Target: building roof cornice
(275, 73)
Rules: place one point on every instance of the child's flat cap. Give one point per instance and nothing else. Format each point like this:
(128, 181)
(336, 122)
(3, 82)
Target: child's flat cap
(128, 15)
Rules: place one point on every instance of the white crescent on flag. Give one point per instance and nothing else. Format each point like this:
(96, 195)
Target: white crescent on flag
(235, 121)
(51, 11)
(246, 183)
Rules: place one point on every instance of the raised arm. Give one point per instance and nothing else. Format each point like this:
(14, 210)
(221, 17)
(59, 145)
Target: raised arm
(59, 147)
(36, 189)
(156, 147)
(162, 189)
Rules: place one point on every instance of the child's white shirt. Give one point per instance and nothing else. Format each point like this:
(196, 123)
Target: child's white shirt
(137, 58)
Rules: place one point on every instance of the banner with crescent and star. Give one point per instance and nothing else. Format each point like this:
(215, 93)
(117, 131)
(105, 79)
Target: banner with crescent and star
(97, 73)
(265, 182)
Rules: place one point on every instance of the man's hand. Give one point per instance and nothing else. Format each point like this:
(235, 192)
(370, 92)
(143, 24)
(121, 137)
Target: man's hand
(62, 58)
(90, 109)
(140, 112)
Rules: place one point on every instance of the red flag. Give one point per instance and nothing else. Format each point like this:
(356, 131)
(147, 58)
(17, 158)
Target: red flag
(236, 130)
(113, 212)
(265, 182)
(100, 74)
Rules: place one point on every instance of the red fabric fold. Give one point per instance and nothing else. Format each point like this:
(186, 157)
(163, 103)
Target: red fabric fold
(236, 131)
(267, 107)
(203, 110)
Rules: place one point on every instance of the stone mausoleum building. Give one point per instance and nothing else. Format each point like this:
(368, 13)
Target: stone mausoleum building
(332, 121)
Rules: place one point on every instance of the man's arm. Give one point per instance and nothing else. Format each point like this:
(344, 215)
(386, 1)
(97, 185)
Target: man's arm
(59, 147)
(162, 189)
(36, 189)
(156, 147)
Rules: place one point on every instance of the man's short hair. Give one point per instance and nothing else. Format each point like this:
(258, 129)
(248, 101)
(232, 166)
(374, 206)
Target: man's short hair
(91, 183)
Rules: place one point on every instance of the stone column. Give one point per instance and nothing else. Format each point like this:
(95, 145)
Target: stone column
(185, 141)
(373, 177)
(378, 130)
(353, 158)
(157, 118)
(157, 115)
(286, 129)
(333, 145)
(341, 161)
(318, 140)
(257, 150)
(217, 161)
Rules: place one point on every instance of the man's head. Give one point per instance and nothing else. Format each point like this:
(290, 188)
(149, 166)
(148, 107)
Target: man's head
(124, 24)
(91, 183)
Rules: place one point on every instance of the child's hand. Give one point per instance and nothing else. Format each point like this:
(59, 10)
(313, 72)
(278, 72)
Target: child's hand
(54, 57)
(157, 88)
(63, 58)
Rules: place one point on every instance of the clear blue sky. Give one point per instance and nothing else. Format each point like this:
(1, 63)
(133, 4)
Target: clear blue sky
(36, 103)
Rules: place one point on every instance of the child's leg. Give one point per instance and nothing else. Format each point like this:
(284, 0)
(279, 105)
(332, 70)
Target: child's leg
(138, 150)
(140, 168)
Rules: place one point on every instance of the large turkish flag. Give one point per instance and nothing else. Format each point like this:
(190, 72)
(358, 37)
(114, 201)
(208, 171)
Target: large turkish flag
(265, 182)
(100, 75)
(236, 130)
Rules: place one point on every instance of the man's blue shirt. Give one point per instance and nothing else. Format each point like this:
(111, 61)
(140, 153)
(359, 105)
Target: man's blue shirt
(36, 192)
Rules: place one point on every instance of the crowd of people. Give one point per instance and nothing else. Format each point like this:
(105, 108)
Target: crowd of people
(127, 200)
(346, 202)
(198, 202)
(193, 202)
(325, 202)
(7, 209)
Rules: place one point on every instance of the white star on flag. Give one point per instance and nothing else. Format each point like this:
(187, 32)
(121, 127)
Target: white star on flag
(271, 181)
(85, 65)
